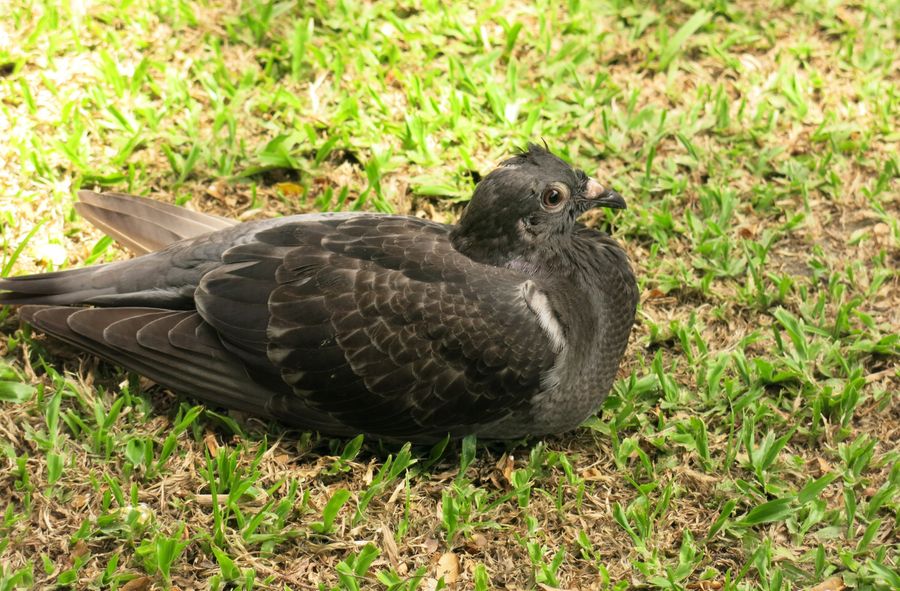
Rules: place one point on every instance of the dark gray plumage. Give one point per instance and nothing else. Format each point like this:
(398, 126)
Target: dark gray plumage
(511, 323)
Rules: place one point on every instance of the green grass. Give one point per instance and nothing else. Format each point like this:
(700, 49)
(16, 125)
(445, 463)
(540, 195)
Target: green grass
(752, 439)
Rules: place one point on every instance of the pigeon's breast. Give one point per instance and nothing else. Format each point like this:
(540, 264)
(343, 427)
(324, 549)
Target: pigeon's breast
(587, 315)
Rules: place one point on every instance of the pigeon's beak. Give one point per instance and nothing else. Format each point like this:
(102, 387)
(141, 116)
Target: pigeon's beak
(599, 196)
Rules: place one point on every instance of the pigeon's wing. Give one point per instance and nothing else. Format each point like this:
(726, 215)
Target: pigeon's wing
(381, 324)
(144, 225)
(177, 349)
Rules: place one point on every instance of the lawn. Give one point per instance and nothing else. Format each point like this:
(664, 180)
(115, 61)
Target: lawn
(752, 440)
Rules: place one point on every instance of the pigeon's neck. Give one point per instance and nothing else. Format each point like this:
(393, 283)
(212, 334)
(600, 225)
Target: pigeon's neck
(589, 259)
(539, 257)
(496, 246)
(592, 272)
(599, 262)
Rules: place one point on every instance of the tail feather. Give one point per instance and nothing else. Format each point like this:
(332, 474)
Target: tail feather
(143, 225)
(57, 288)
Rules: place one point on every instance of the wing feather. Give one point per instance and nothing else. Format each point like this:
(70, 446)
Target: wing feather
(345, 323)
(179, 350)
(378, 322)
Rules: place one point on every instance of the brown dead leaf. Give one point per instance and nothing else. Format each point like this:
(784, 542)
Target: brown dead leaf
(657, 297)
(390, 546)
(138, 584)
(700, 479)
(290, 189)
(874, 377)
(79, 550)
(593, 473)
(705, 585)
(829, 584)
(824, 466)
(476, 543)
(506, 465)
(846, 16)
(549, 588)
(211, 444)
(216, 190)
(431, 545)
(448, 567)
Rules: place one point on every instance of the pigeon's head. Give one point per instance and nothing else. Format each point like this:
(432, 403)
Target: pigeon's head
(531, 200)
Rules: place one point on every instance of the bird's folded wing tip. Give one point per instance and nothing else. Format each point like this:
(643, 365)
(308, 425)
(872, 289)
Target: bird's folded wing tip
(29, 312)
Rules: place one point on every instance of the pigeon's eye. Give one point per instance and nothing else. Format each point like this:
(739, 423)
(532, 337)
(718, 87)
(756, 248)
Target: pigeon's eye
(554, 196)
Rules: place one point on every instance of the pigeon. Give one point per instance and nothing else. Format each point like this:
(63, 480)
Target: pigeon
(508, 325)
